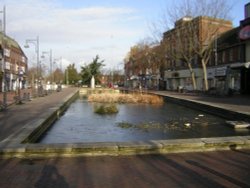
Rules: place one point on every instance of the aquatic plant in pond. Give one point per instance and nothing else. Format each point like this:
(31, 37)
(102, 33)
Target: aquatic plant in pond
(106, 109)
(125, 98)
(176, 124)
(146, 126)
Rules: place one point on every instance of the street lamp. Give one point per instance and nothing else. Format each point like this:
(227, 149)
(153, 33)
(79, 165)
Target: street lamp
(3, 58)
(36, 43)
(50, 61)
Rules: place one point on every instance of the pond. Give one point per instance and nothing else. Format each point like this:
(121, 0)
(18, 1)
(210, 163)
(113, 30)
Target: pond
(135, 122)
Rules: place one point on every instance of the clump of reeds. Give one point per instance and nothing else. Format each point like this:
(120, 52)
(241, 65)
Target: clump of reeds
(125, 98)
(106, 109)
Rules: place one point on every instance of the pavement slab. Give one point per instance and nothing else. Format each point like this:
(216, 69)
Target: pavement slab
(209, 169)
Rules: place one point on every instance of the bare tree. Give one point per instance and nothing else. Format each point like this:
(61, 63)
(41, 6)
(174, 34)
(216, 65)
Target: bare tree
(31, 75)
(137, 56)
(194, 39)
(179, 47)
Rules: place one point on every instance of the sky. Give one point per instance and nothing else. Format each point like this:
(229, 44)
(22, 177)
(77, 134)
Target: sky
(78, 30)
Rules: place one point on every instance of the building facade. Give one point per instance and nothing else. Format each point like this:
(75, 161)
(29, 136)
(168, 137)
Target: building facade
(183, 46)
(13, 65)
(143, 67)
(244, 35)
(183, 51)
(230, 69)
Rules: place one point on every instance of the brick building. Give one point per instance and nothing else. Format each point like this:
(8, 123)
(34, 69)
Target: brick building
(143, 67)
(183, 44)
(230, 69)
(228, 57)
(15, 68)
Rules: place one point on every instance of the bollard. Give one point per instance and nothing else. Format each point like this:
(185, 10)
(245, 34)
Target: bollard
(28, 97)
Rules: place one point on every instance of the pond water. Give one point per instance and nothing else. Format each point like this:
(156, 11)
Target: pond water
(135, 122)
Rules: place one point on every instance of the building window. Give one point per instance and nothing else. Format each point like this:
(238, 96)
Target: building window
(239, 53)
(23, 59)
(219, 56)
(231, 54)
(223, 57)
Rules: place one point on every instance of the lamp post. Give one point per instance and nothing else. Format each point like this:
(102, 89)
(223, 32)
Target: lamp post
(49, 84)
(35, 42)
(50, 62)
(3, 58)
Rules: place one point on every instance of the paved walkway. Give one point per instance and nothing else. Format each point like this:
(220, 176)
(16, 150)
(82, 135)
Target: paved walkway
(237, 103)
(211, 169)
(16, 116)
(205, 169)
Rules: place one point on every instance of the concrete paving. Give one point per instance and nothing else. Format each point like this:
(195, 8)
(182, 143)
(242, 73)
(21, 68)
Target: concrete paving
(211, 169)
(236, 103)
(16, 116)
(201, 169)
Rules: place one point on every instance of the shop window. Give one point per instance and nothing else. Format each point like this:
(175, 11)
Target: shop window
(239, 53)
(219, 56)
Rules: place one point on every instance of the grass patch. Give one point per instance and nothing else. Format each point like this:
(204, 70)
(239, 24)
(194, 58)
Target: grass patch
(125, 98)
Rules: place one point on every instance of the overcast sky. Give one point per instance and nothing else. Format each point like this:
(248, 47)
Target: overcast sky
(77, 30)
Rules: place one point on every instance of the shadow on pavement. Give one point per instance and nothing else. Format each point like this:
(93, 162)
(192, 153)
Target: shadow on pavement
(51, 178)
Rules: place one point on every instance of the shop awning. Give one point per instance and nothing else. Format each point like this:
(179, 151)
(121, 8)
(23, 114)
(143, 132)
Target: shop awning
(134, 77)
(240, 65)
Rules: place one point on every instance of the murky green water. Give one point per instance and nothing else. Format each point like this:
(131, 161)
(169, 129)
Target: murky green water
(135, 122)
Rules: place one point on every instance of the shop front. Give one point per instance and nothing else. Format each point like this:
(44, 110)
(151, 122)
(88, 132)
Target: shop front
(181, 79)
(240, 74)
(244, 36)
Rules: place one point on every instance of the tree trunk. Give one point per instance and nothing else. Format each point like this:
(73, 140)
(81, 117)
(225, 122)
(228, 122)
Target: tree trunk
(204, 66)
(192, 76)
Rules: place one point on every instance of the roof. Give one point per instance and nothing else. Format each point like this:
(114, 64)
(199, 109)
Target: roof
(229, 38)
(10, 42)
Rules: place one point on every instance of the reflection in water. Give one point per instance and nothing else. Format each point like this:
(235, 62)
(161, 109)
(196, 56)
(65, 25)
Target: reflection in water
(135, 122)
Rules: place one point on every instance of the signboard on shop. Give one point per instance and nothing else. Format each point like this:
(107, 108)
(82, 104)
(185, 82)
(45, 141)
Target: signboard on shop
(221, 71)
(245, 33)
